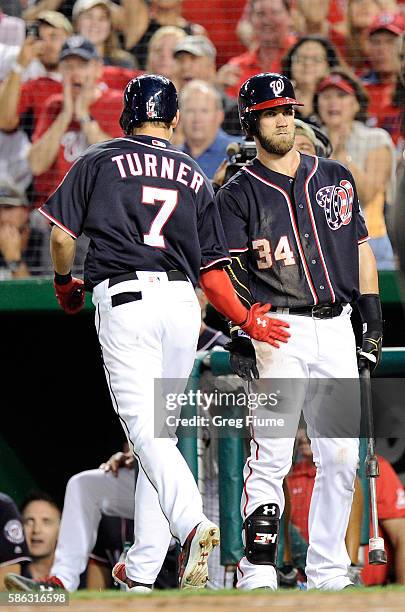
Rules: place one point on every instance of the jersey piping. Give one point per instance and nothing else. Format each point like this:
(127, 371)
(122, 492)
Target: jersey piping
(295, 229)
(311, 216)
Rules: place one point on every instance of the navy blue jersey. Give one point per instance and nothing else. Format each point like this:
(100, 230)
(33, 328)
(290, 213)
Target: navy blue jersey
(13, 547)
(300, 234)
(144, 206)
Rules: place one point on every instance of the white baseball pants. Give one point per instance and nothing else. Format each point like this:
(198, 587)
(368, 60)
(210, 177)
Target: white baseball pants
(322, 349)
(152, 338)
(89, 495)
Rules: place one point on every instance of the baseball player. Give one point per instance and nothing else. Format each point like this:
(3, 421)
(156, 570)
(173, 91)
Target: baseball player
(297, 240)
(154, 228)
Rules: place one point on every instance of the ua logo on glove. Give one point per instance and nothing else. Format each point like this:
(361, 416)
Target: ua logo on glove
(261, 322)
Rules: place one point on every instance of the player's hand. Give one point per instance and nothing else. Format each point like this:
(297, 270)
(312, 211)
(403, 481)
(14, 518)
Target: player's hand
(370, 352)
(242, 355)
(71, 295)
(264, 328)
(117, 461)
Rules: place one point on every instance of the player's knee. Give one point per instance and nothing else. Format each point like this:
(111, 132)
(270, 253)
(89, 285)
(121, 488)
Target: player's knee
(261, 533)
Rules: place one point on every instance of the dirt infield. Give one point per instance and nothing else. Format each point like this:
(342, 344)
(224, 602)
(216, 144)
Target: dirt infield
(361, 600)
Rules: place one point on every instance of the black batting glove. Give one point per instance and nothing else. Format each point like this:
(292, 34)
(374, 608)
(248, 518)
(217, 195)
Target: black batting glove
(242, 355)
(369, 306)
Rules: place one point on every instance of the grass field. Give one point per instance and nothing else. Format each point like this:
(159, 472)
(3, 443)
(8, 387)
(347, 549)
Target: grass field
(376, 599)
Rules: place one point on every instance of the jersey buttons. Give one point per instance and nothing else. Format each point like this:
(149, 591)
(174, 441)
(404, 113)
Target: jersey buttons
(300, 206)
(321, 287)
(313, 261)
(306, 235)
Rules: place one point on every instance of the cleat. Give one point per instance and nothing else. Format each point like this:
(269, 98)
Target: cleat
(15, 582)
(120, 578)
(193, 558)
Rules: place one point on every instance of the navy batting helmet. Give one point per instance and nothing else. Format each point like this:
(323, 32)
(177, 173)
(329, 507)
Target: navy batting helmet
(261, 91)
(148, 98)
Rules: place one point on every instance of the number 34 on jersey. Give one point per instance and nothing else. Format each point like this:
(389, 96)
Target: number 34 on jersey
(266, 256)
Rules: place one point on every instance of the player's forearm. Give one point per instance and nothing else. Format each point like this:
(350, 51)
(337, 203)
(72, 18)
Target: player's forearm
(9, 98)
(368, 275)
(239, 276)
(44, 151)
(63, 249)
(220, 292)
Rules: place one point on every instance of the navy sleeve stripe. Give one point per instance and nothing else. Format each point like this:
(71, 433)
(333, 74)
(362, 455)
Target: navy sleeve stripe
(56, 222)
(212, 263)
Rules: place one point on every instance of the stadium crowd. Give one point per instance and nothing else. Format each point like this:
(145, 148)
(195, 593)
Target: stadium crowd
(63, 67)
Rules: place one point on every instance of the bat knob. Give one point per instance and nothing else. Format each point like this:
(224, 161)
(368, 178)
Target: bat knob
(376, 553)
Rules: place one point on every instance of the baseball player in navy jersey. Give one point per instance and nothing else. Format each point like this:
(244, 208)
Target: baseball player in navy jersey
(297, 240)
(154, 229)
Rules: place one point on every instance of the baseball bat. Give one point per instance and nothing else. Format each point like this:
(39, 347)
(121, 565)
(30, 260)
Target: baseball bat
(376, 552)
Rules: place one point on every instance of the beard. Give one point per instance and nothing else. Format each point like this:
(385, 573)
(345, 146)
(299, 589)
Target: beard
(276, 146)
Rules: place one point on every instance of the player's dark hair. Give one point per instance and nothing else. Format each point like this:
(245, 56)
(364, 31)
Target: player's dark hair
(146, 124)
(332, 55)
(359, 91)
(34, 496)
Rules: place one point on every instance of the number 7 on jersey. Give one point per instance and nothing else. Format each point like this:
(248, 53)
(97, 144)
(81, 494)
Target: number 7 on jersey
(168, 198)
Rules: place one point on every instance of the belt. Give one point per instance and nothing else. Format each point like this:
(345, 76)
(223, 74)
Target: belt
(133, 296)
(321, 311)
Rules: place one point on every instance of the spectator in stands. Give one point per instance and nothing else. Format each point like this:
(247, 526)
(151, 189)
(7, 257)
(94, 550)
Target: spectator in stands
(13, 547)
(271, 23)
(17, 99)
(399, 220)
(305, 139)
(380, 82)
(306, 63)
(14, 233)
(201, 117)
(14, 166)
(390, 506)
(368, 153)
(161, 47)
(86, 113)
(41, 520)
(143, 19)
(353, 42)
(195, 59)
(93, 20)
(311, 18)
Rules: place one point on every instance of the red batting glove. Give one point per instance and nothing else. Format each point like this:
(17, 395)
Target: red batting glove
(263, 328)
(71, 295)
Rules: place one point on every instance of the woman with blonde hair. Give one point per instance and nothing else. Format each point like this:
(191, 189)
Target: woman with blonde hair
(93, 19)
(160, 58)
(341, 104)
